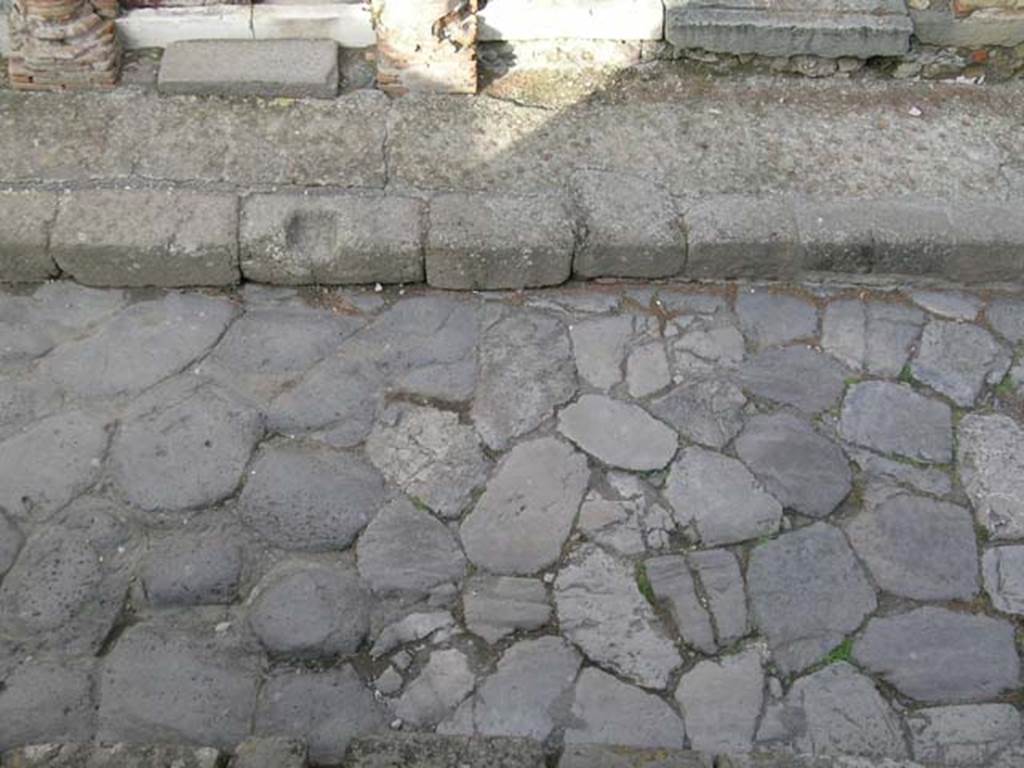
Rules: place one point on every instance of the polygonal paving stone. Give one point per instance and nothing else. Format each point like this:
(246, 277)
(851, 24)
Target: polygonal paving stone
(524, 516)
(614, 524)
(601, 610)
(600, 346)
(647, 370)
(842, 712)
(193, 569)
(299, 497)
(769, 318)
(599, 715)
(719, 574)
(708, 411)
(310, 611)
(619, 434)
(270, 752)
(958, 359)
(918, 547)
(526, 371)
(930, 480)
(44, 701)
(497, 606)
(1006, 316)
(803, 378)
(963, 735)
(936, 655)
(429, 455)
(955, 305)
(875, 336)
(184, 429)
(804, 470)
(990, 457)
(325, 709)
(721, 497)
(674, 587)
(11, 540)
(523, 695)
(437, 690)
(892, 418)
(721, 701)
(405, 549)
(704, 346)
(1003, 571)
(411, 629)
(807, 591)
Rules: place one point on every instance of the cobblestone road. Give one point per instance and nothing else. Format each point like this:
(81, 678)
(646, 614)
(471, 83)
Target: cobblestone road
(675, 516)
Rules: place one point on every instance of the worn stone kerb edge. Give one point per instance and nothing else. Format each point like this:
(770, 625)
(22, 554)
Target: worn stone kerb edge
(480, 241)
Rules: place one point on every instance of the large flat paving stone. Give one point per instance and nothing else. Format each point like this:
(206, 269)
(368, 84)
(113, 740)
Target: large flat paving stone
(721, 701)
(45, 701)
(990, 454)
(496, 606)
(293, 69)
(936, 655)
(708, 411)
(894, 419)
(193, 568)
(958, 360)
(804, 378)
(964, 734)
(769, 318)
(441, 685)
(1003, 572)
(619, 434)
(873, 336)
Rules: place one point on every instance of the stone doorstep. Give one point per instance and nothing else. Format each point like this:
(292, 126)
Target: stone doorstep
(479, 241)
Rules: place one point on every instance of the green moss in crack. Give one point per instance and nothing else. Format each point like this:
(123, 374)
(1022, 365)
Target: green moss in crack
(643, 583)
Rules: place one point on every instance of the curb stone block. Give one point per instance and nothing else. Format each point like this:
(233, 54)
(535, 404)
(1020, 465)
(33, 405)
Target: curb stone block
(129, 238)
(910, 238)
(111, 756)
(602, 756)
(738, 236)
(299, 239)
(630, 228)
(270, 752)
(25, 218)
(492, 242)
(427, 750)
(989, 242)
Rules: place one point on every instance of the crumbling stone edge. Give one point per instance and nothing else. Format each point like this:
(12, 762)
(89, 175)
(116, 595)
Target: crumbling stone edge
(607, 225)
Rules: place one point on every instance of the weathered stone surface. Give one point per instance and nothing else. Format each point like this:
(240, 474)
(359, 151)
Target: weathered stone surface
(804, 470)
(730, 236)
(990, 454)
(803, 378)
(647, 370)
(309, 498)
(24, 257)
(524, 517)
(405, 549)
(1003, 571)
(11, 540)
(510, 20)
(411, 629)
(329, 239)
(601, 610)
(874, 336)
(931, 480)
(523, 695)
(841, 712)
(619, 434)
(918, 547)
(598, 706)
(325, 709)
(769, 318)
(1006, 316)
(631, 226)
(968, 734)
(497, 606)
(429, 455)
(115, 756)
(526, 371)
(721, 701)
(440, 687)
(600, 346)
(705, 347)
(44, 701)
(892, 418)
(720, 496)
(719, 574)
(310, 611)
(270, 752)
(706, 411)
(186, 428)
(958, 359)
(193, 569)
(936, 655)
(673, 586)
(806, 592)
(428, 750)
(201, 692)
(954, 305)
(615, 525)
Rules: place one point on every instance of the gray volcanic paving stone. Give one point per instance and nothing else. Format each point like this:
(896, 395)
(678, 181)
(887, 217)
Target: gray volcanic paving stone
(708, 411)
(874, 336)
(769, 318)
(441, 685)
(936, 655)
(497, 606)
(955, 305)
(720, 576)
(918, 547)
(721, 497)
(193, 569)
(405, 549)
(524, 516)
(270, 752)
(23, 236)
(1006, 316)
(429, 455)
(600, 345)
(673, 586)
(183, 429)
(601, 610)
(721, 702)
(615, 525)
(11, 540)
(966, 734)
(308, 498)
(892, 418)
(524, 695)
(325, 709)
(44, 701)
(410, 629)
(842, 712)
(958, 359)
(803, 378)
(526, 371)
(45, 465)
(144, 344)
(804, 470)
(619, 434)
(1003, 571)
(647, 370)
(201, 691)
(990, 456)
(807, 591)
(597, 716)
(310, 611)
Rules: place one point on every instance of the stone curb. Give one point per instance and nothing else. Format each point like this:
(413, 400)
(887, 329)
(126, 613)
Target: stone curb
(606, 225)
